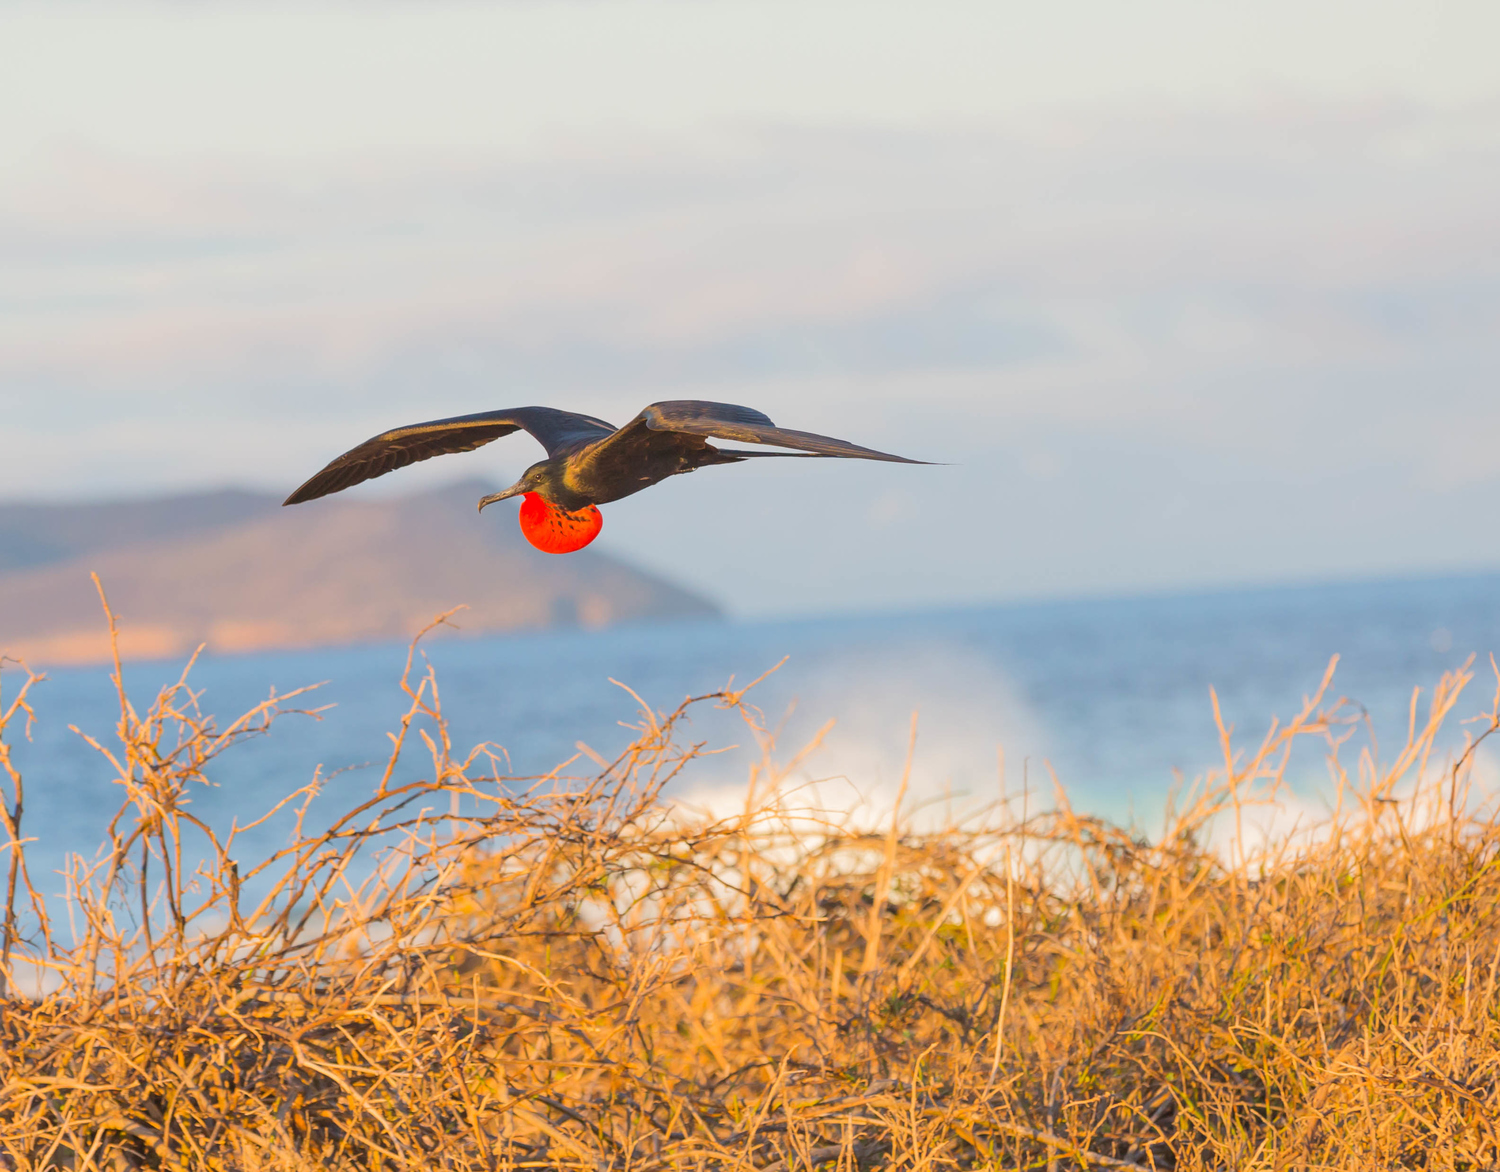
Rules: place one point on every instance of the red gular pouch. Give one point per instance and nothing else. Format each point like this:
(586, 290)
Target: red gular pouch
(555, 530)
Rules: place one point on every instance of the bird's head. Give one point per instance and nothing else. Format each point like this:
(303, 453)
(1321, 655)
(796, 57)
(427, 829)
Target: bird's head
(546, 524)
(534, 479)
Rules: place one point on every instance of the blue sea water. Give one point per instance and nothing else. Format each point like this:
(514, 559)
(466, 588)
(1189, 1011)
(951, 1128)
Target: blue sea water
(1112, 695)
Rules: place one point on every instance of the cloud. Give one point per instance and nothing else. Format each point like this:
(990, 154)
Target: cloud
(1199, 240)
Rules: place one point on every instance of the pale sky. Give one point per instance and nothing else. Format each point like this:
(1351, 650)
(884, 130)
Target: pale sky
(1190, 293)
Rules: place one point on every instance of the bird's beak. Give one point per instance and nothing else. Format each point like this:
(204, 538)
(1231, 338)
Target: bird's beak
(514, 490)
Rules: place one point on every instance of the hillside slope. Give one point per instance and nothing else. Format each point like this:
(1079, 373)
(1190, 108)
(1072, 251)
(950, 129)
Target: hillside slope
(236, 572)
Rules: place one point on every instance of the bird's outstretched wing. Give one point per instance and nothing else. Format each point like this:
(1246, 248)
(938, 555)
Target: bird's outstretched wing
(731, 422)
(557, 431)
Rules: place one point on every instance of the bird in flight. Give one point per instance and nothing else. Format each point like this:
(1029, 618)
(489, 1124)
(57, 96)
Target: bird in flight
(589, 462)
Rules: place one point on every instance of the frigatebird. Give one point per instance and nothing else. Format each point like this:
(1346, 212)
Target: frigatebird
(589, 462)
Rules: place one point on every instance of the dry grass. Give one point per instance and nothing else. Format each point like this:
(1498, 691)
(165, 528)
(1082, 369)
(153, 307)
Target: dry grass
(579, 976)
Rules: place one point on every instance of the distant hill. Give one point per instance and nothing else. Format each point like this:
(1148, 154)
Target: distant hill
(234, 570)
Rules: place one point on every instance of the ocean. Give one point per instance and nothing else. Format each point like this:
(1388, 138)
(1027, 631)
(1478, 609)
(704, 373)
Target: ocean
(1110, 696)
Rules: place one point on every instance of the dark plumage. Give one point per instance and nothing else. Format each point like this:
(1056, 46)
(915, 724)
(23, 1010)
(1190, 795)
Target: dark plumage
(589, 462)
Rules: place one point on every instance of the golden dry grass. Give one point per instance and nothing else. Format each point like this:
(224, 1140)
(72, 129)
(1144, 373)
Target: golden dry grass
(582, 976)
